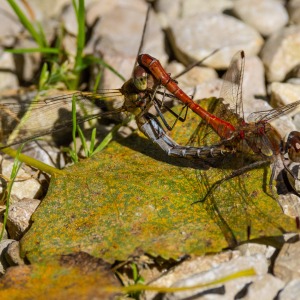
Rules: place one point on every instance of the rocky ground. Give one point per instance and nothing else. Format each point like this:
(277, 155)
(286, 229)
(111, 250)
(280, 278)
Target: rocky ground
(269, 33)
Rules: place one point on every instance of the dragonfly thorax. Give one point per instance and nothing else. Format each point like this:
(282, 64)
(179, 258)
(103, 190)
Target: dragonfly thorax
(135, 100)
(262, 138)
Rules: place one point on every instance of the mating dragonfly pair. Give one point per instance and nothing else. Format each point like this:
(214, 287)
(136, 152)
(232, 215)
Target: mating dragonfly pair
(139, 92)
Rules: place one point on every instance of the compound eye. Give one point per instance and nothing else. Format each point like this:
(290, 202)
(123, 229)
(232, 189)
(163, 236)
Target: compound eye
(292, 146)
(140, 78)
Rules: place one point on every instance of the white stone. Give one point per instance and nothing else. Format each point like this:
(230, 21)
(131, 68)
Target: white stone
(8, 80)
(3, 248)
(193, 77)
(266, 287)
(19, 215)
(199, 35)
(293, 7)
(174, 9)
(280, 53)
(285, 93)
(232, 287)
(291, 291)
(287, 264)
(266, 16)
(25, 186)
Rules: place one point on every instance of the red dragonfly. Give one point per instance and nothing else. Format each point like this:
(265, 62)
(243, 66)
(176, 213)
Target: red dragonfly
(229, 122)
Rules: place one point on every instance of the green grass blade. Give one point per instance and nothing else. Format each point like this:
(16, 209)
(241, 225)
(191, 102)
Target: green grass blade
(42, 34)
(44, 76)
(107, 139)
(74, 128)
(83, 141)
(31, 161)
(14, 172)
(93, 138)
(26, 23)
(89, 59)
(81, 31)
(45, 50)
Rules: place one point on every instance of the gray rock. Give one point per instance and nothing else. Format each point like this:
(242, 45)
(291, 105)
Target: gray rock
(12, 255)
(280, 53)
(291, 291)
(24, 186)
(266, 287)
(197, 36)
(43, 151)
(3, 249)
(118, 42)
(285, 93)
(174, 9)
(253, 80)
(10, 26)
(290, 203)
(8, 80)
(232, 287)
(19, 215)
(250, 249)
(293, 7)
(206, 89)
(27, 65)
(192, 266)
(193, 77)
(287, 264)
(266, 16)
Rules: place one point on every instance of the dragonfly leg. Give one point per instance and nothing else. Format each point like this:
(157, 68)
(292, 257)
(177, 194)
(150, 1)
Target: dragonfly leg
(234, 174)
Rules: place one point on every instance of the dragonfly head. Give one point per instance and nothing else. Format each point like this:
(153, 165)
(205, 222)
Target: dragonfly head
(140, 78)
(143, 80)
(292, 146)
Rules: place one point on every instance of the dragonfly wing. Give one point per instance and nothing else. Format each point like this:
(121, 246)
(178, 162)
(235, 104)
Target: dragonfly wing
(271, 114)
(48, 114)
(231, 90)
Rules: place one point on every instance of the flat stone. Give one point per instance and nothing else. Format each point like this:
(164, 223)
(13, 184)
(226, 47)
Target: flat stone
(10, 26)
(285, 93)
(253, 80)
(12, 255)
(290, 203)
(3, 249)
(250, 249)
(28, 64)
(206, 89)
(266, 287)
(118, 42)
(24, 186)
(291, 291)
(174, 9)
(293, 8)
(280, 53)
(19, 215)
(8, 78)
(192, 266)
(287, 264)
(197, 36)
(193, 77)
(297, 121)
(266, 16)
(232, 287)
(43, 151)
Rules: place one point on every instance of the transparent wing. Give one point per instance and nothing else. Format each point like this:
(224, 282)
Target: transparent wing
(231, 90)
(272, 113)
(26, 120)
